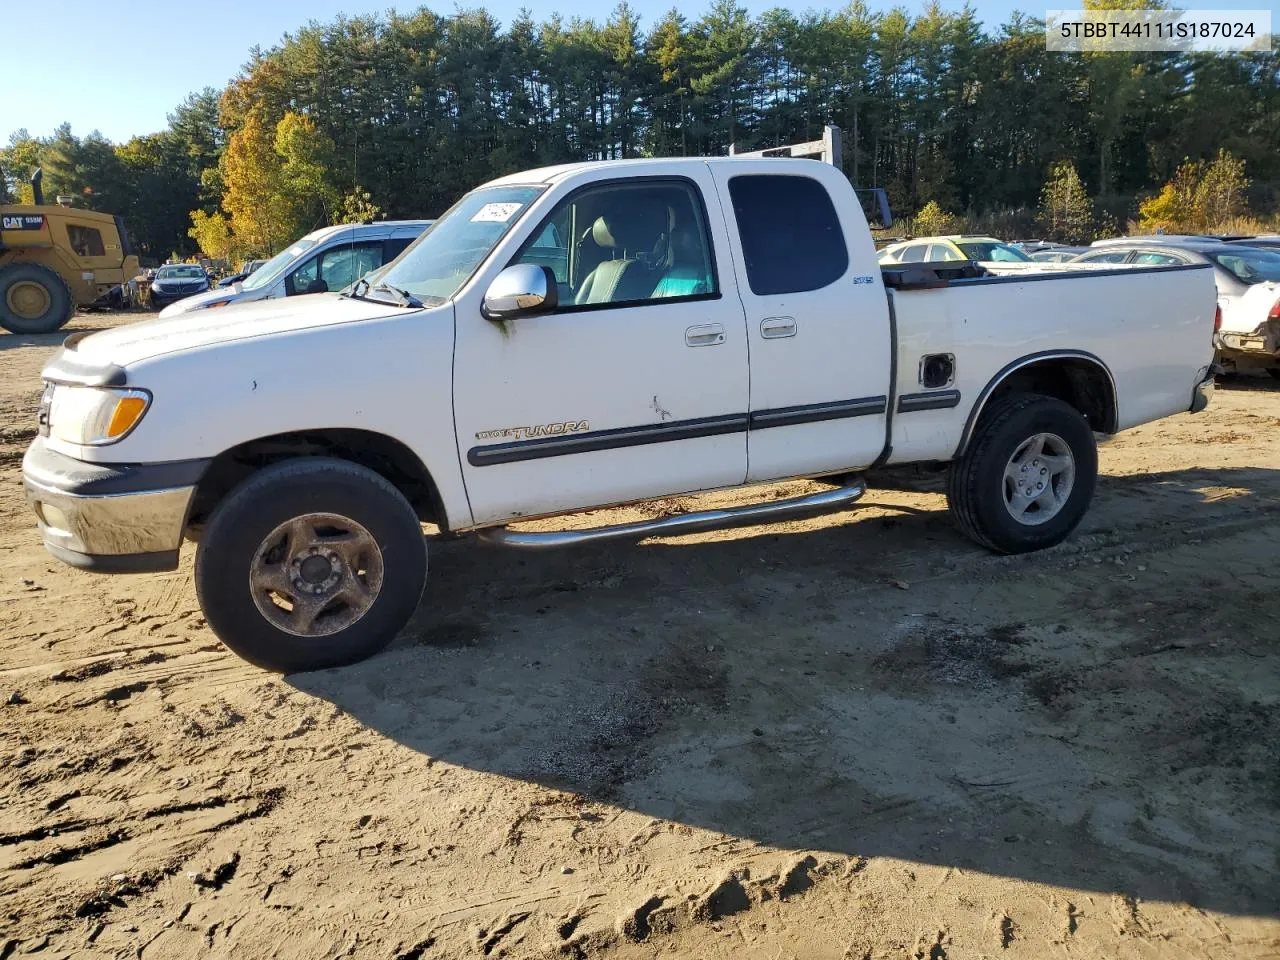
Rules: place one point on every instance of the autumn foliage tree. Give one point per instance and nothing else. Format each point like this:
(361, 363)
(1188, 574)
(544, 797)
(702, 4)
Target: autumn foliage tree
(932, 220)
(1199, 198)
(276, 179)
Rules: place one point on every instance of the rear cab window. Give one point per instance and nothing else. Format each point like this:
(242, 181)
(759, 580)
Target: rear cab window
(792, 241)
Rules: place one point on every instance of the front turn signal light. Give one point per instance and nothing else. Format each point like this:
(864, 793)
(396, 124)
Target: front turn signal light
(128, 411)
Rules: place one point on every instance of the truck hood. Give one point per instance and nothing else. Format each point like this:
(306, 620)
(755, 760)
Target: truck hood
(152, 338)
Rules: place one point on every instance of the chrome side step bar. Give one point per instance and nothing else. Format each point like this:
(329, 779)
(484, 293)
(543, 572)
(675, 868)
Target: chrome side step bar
(684, 523)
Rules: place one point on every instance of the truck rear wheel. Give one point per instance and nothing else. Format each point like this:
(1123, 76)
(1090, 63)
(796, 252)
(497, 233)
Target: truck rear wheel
(1027, 477)
(33, 299)
(311, 563)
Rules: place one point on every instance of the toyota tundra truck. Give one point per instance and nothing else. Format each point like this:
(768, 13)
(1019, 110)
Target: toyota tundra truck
(581, 336)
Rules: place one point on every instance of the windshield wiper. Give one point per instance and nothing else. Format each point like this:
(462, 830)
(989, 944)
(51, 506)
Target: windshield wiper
(403, 297)
(407, 299)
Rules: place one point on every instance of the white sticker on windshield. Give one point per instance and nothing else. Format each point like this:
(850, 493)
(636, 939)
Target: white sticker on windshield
(296, 251)
(495, 213)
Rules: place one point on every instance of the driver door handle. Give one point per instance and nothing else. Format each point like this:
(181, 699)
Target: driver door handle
(704, 335)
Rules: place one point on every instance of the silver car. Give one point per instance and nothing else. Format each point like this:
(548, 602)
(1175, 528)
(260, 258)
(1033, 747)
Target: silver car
(326, 260)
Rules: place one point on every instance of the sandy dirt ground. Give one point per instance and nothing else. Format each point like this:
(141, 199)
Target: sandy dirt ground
(856, 736)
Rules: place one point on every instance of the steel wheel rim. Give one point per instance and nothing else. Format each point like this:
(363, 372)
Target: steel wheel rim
(1038, 479)
(316, 574)
(28, 299)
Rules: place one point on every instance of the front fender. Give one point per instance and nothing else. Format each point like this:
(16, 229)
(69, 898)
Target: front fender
(390, 375)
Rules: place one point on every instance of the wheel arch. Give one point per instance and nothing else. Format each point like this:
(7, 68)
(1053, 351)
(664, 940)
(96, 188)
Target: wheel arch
(386, 456)
(1076, 377)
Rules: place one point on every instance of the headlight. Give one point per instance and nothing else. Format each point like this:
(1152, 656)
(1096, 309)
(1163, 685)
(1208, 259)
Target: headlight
(93, 416)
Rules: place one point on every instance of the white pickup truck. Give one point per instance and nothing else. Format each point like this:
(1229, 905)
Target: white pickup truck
(580, 336)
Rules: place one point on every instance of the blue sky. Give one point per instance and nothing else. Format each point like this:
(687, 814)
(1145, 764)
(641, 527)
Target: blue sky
(158, 51)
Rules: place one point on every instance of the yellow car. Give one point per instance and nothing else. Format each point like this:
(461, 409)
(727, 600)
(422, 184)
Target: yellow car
(957, 247)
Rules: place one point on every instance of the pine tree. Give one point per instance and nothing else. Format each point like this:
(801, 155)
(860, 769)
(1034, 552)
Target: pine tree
(1066, 212)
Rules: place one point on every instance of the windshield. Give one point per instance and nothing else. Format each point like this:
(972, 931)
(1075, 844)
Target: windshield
(991, 250)
(276, 265)
(439, 262)
(1250, 266)
(180, 273)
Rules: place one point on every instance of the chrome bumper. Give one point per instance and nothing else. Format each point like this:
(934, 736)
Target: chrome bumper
(117, 531)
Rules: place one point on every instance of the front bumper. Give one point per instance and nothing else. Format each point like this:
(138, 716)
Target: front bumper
(164, 299)
(112, 518)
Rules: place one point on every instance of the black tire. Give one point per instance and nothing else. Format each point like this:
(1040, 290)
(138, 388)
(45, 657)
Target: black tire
(274, 495)
(976, 481)
(1275, 372)
(61, 305)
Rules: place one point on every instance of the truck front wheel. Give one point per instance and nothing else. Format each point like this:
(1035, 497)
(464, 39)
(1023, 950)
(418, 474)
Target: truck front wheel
(1027, 477)
(310, 563)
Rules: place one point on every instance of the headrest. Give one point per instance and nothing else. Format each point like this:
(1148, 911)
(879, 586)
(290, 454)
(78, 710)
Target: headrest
(686, 244)
(631, 224)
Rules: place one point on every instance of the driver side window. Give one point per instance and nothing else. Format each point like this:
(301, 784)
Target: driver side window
(302, 279)
(626, 243)
(335, 268)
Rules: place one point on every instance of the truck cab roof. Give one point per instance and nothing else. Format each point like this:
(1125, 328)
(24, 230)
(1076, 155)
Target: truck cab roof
(671, 166)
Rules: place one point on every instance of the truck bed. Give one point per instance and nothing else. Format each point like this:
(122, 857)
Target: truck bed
(1148, 326)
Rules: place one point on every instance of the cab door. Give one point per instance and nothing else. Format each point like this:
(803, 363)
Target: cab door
(636, 386)
(98, 256)
(817, 319)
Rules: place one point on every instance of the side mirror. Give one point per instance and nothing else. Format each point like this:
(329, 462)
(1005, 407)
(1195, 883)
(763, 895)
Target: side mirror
(317, 286)
(520, 290)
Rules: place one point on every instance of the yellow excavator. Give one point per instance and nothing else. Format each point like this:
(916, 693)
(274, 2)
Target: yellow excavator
(55, 257)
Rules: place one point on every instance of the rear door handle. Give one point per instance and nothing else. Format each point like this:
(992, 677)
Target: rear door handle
(773, 328)
(704, 335)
